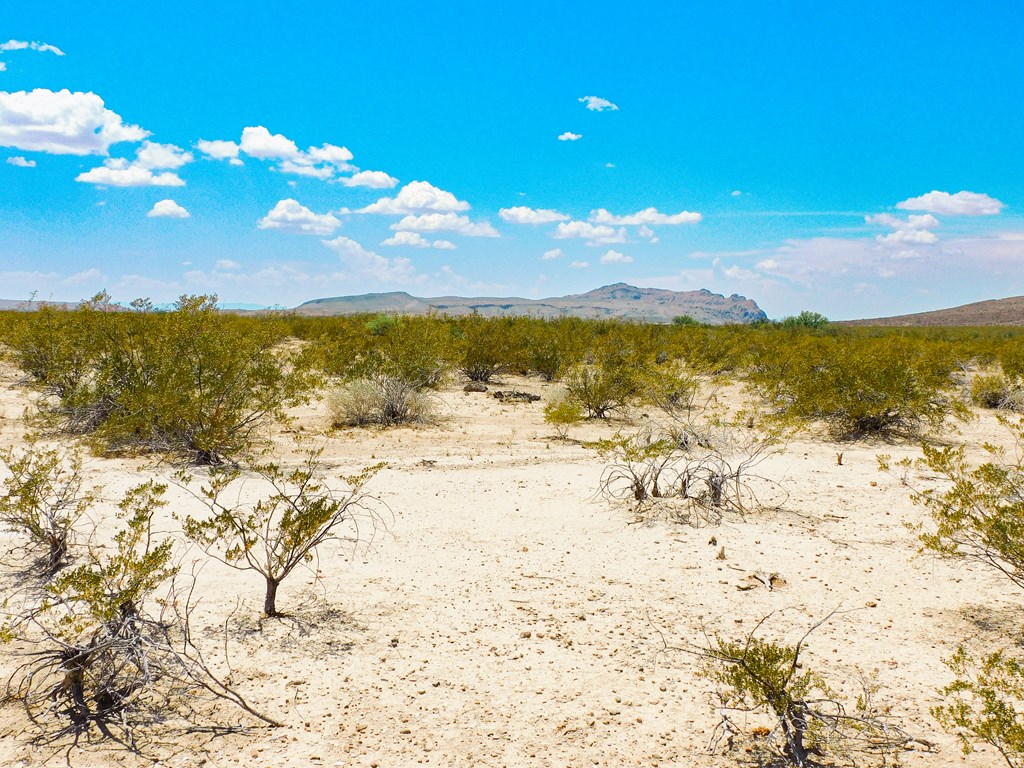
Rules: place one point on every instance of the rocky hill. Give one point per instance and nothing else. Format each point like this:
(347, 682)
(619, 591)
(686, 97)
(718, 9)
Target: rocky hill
(992, 312)
(623, 301)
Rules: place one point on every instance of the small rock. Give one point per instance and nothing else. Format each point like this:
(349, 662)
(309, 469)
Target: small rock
(475, 386)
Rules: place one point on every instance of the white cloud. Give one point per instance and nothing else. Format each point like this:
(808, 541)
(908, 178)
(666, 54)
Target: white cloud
(595, 234)
(414, 239)
(736, 193)
(446, 222)
(371, 179)
(219, 150)
(62, 123)
(304, 169)
(21, 162)
(21, 45)
(331, 153)
(445, 245)
(168, 209)
(915, 229)
(3, 67)
(153, 155)
(226, 264)
(257, 141)
(579, 265)
(570, 136)
(961, 204)
(614, 257)
(646, 231)
(609, 165)
(417, 197)
(290, 216)
(767, 265)
(554, 253)
(646, 216)
(116, 172)
(597, 104)
(371, 264)
(520, 214)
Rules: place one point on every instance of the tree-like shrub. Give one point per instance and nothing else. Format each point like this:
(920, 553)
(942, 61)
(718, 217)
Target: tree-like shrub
(110, 661)
(44, 497)
(296, 512)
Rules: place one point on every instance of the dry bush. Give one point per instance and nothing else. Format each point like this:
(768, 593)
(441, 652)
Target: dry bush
(381, 399)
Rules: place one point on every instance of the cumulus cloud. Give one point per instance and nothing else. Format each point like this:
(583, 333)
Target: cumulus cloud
(417, 197)
(153, 155)
(369, 263)
(736, 193)
(554, 253)
(446, 222)
(597, 104)
(960, 204)
(520, 214)
(322, 162)
(290, 216)
(915, 229)
(220, 150)
(414, 239)
(579, 265)
(646, 216)
(62, 123)
(595, 234)
(371, 179)
(570, 136)
(228, 264)
(117, 172)
(21, 162)
(168, 209)
(445, 245)
(614, 257)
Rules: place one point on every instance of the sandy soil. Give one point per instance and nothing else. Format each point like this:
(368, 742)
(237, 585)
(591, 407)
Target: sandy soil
(510, 617)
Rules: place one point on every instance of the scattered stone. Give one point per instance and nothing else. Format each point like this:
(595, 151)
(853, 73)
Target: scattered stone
(516, 396)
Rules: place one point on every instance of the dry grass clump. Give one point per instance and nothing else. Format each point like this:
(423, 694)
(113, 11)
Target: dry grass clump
(380, 399)
(998, 391)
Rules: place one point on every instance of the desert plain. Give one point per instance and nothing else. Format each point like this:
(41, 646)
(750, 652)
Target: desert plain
(509, 615)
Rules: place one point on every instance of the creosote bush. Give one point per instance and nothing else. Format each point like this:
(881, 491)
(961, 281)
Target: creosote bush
(759, 675)
(44, 496)
(191, 382)
(858, 387)
(110, 658)
(272, 520)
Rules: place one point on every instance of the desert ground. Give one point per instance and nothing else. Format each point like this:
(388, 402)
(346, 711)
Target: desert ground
(510, 616)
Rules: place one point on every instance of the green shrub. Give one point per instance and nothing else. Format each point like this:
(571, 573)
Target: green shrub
(858, 387)
(562, 414)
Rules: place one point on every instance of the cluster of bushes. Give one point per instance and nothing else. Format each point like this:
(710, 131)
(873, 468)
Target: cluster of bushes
(192, 382)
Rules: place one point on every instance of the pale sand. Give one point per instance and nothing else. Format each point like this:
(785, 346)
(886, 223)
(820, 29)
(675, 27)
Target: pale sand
(512, 618)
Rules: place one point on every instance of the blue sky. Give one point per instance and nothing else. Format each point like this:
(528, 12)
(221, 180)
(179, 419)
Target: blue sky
(855, 160)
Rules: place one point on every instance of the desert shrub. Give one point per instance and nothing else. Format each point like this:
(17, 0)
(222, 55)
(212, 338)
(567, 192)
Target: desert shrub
(805, 319)
(110, 660)
(489, 347)
(553, 346)
(380, 399)
(562, 414)
(985, 703)
(284, 528)
(190, 382)
(996, 390)
(44, 497)
(858, 387)
(613, 381)
(417, 350)
(759, 675)
(693, 474)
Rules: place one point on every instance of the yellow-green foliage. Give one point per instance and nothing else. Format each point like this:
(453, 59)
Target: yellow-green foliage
(192, 382)
(857, 385)
(986, 703)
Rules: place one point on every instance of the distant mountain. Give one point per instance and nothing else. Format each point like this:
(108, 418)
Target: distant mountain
(992, 312)
(623, 301)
